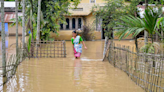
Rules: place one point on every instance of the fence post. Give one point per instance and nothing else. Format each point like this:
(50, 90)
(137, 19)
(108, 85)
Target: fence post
(64, 50)
(126, 54)
(105, 45)
(114, 62)
(109, 54)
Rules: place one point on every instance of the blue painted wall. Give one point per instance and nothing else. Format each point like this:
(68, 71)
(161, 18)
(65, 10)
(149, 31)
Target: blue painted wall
(6, 31)
(6, 28)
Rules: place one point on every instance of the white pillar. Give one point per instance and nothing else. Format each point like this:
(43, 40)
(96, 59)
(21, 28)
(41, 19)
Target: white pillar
(76, 22)
(70, 23)
(82, 23)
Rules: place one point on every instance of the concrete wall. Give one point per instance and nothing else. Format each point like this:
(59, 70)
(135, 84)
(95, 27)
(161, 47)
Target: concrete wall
(67, 35)
(89, 20)
(12, 30)
(63, 35)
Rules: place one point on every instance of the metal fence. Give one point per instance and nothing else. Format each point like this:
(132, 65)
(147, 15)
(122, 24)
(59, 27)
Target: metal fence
(146, 70)
(48, 49)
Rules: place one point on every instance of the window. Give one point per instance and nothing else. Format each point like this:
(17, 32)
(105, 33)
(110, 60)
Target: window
(73, 23)
(92, 1)
(67, 20)
(79, 22)
(61, 26)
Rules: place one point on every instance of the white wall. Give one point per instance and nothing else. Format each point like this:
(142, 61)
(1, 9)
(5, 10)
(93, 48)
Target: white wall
(8, 4)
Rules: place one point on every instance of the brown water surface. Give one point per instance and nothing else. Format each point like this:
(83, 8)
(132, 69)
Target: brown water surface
(10, 47)
(88, 74)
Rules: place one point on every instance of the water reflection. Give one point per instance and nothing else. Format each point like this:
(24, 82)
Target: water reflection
(77, 71)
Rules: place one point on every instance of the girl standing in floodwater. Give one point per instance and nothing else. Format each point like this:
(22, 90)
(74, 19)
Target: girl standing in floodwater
(77, 46)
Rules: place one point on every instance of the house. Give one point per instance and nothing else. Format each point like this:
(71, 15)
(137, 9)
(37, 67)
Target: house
(9, 8)
(81, 16)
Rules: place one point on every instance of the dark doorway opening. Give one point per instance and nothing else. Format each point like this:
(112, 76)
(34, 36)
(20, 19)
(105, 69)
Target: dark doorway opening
(67, 26)
(141, 34)
(73, 23)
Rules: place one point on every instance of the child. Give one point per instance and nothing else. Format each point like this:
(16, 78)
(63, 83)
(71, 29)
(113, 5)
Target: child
(77, 46)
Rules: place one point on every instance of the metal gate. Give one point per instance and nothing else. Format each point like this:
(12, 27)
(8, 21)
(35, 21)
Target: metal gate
(48, 49)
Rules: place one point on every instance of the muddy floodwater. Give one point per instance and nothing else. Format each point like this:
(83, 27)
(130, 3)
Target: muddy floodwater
(10, 47)
(88, 74)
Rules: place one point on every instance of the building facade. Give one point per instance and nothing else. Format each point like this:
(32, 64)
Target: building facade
(81, 16)
(9, 8)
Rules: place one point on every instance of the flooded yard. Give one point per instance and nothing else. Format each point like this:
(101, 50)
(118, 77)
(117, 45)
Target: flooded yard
(89, 74)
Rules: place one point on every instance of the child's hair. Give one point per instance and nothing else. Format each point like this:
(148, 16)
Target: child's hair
(74, 32)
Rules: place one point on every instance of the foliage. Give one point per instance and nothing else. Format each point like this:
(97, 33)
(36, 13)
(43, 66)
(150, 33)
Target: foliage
(14, 21)
(9, 0)
(150, 47)
(132, 25)
(54, 12)
(150, 1)
(160, 25)
(132, 9)
(160, 22)
(129, 25)
(112, 11)
(29, 42)
(150, 20)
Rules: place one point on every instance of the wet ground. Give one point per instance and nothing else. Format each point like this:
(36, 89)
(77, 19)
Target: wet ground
(88, 74)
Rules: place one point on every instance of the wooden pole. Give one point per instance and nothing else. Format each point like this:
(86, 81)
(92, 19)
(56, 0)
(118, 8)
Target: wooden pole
(114, 54)
(16, 13)
(38, 22)
(145, 32)
(105, 45)
(23, 24)
(3, 39)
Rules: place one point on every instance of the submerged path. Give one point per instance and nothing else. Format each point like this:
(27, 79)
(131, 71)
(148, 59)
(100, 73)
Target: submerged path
(89, 74)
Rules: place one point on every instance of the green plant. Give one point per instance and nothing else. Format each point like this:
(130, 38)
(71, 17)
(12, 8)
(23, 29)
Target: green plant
(52, 14)
(110, 13)
(29, 42)
(150, 47)
(160, 25)
(113, 11)
(14, 21)
(135, 25)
